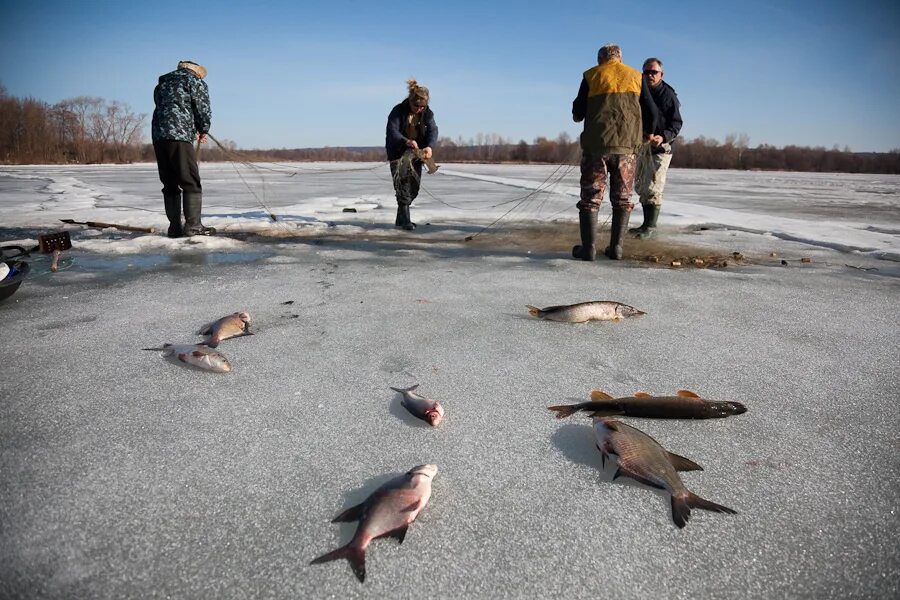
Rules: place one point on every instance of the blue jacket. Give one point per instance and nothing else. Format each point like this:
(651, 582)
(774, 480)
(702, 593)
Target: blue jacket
(395, 138)
(182, 107)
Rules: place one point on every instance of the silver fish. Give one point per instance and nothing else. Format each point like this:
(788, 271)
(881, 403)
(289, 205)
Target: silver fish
(641, 458)
(420, 406)
(388, 512)
(234, 325)
(197, 356)
(600, 310)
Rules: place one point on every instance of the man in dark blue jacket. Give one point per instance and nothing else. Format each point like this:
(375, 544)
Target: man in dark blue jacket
(411, 135)
(656, 154)
(182, 115)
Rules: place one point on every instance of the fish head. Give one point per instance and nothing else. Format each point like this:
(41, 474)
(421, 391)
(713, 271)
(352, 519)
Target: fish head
(628, 311)
(435, 415)
(217, 362)
(428, 471)
(731, 408)
(244, 316)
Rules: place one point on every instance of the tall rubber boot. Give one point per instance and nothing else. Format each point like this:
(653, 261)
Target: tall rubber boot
(403, 219)
(648, 228)
(173, 212)
(587, 224)
(620, 218)
(193, 203)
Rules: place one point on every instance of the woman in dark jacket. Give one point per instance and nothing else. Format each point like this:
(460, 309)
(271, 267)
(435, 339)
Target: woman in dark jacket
(411, 134)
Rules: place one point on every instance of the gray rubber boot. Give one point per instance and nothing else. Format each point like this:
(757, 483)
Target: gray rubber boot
(173, 213)
(193, 203)
(648, 228)
(620, 218)
(587, 224)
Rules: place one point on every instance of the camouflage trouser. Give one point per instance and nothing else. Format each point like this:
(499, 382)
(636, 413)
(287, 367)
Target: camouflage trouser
(594, 171)
(650, 179)
(406, 173)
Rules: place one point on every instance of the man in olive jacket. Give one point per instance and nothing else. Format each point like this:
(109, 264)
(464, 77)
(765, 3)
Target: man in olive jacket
(182, 115)
(617, 110)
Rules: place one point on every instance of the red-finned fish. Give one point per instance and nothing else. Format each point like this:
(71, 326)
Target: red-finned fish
(641, 458)
(420, 406)
(600, 310)
(683, 405)
(234, 325)
(197, 356)
(388, 512)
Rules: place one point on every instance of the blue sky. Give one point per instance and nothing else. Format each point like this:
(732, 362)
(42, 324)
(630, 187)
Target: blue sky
(308, 73)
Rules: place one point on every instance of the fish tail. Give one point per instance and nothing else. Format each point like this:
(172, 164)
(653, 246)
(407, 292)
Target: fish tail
(681, 510)
(212, 342)
(534, 311)
(354, 554)
(696, 501)
(564, 410)
(164, 347)
(402, 390)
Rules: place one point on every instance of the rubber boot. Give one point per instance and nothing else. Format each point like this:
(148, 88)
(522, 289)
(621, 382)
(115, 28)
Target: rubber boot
(173, 212)
(648, 228)
(403, 219)
(620, 218)
(587, 224)
(192, 226)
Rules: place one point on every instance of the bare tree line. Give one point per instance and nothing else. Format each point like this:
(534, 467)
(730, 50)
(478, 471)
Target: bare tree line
(93, 130)
(77, 130)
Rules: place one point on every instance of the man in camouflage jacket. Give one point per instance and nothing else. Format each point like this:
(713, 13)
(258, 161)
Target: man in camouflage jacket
(182, 115)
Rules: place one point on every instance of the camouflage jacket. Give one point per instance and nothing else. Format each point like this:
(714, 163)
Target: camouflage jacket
(182, 107)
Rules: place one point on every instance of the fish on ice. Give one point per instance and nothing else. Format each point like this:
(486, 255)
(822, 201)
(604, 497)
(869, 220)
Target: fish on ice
(685, 404)
(641, 458)
(197, 355)
(388, 512)
(234, 325)
(421, 407)
(599, 310)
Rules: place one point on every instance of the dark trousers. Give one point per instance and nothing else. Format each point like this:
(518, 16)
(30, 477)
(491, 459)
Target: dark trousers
(177, 165)
(406, 175)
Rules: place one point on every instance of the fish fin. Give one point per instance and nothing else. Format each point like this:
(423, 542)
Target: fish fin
(182, 356)
(160, 349)
(642, 395)
(639, 478)
(211, 342)
(398, 534)
(206, 330)
(600, 395)
(681, 511)
(534, 311)
(351, 514)
(198, 354)
(412, 506)
(683, 464)
(686, 394)
(602, 456)
(617, 474)
(354, 554)
(695, 501)
(564, 410)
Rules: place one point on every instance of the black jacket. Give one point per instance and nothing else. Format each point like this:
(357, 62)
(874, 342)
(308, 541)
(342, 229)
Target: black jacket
(668, 111)
(395, 138)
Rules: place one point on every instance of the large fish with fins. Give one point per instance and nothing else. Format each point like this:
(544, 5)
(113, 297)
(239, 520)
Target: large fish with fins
(685, 404)
(599, 310)
(234, 325)
(641, 458)
(388, 512)
(197, 356)
(421, 407)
